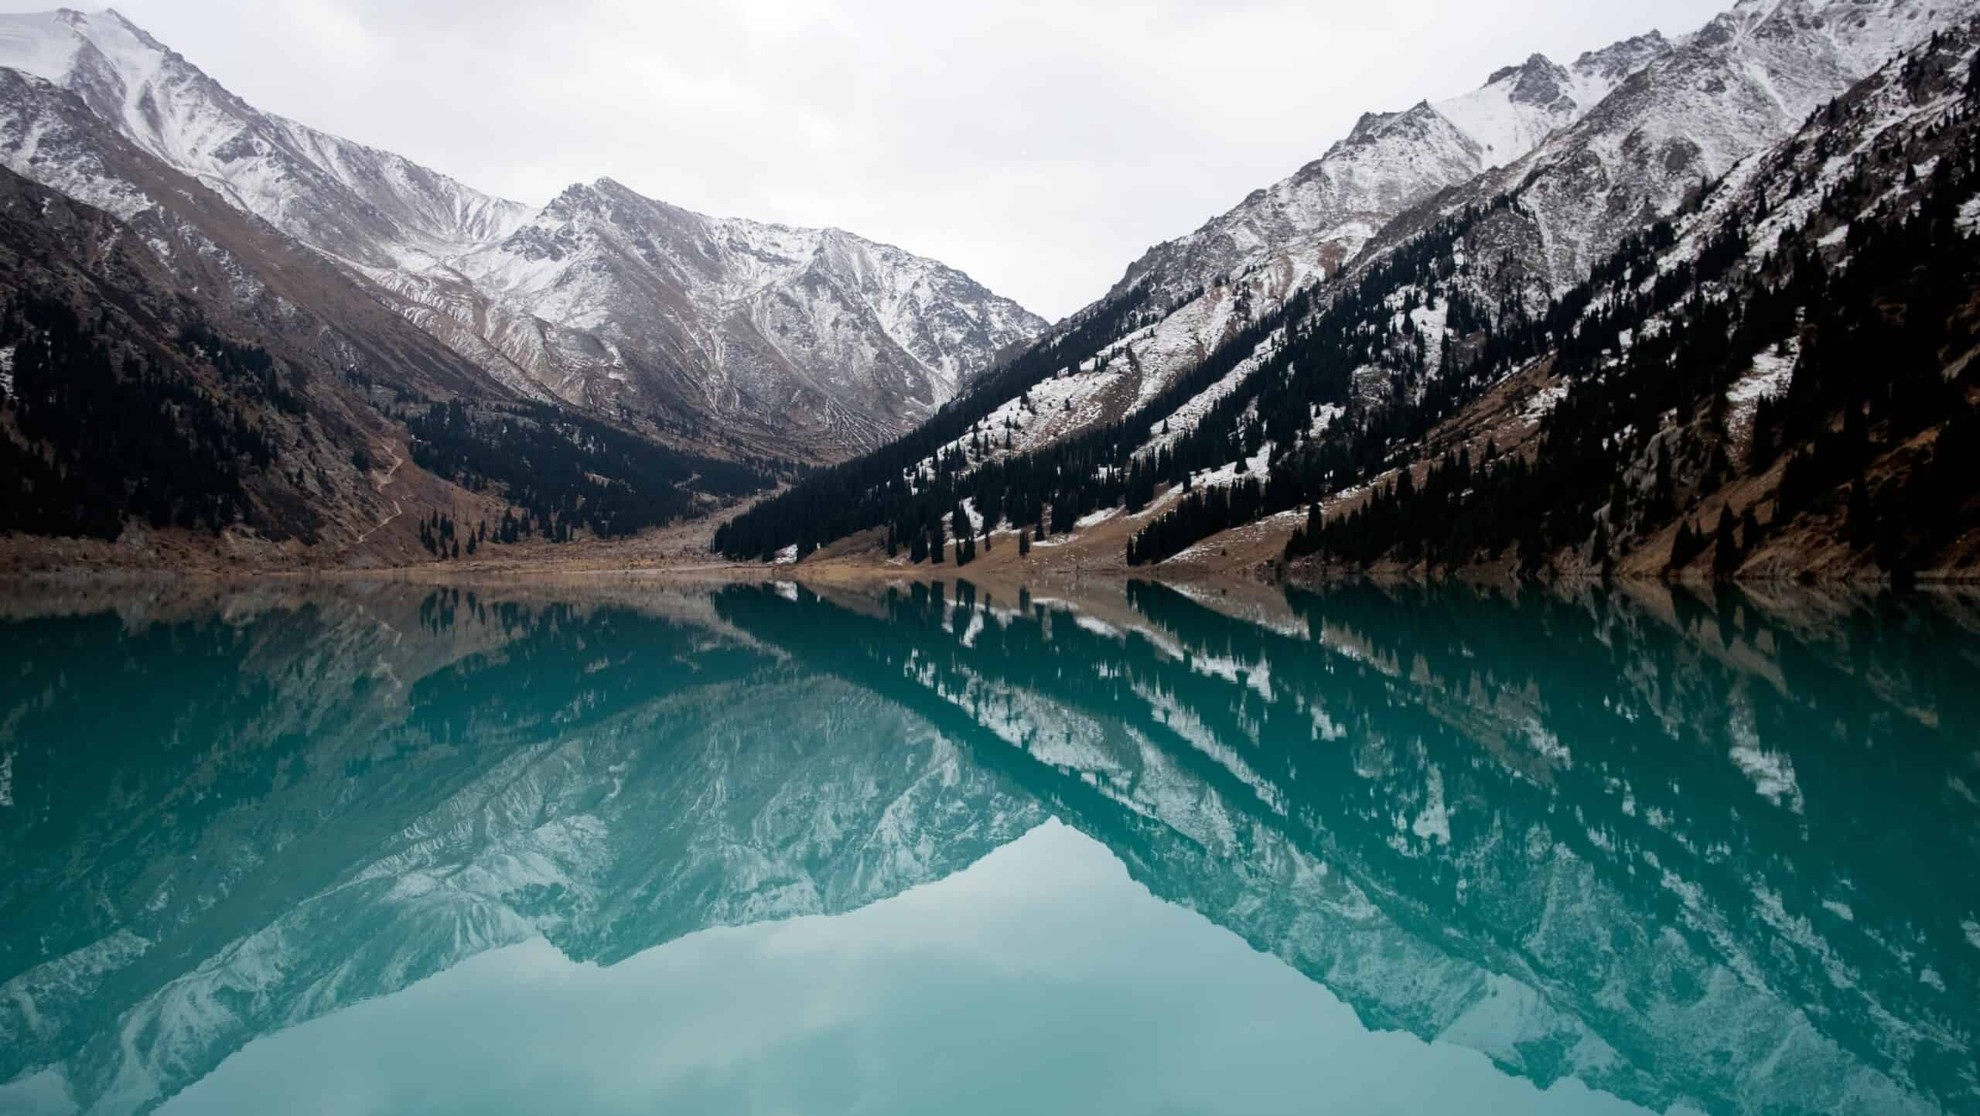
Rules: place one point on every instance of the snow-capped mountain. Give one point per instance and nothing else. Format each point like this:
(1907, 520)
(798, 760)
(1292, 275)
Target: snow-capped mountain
(1300, 290)
(1311, 223)
(808, 343)
(1744, 82)
(1184, 299)
(353, 202)
(606, 296)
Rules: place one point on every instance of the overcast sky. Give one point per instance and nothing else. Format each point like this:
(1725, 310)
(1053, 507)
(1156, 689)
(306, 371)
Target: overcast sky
(1040, 145)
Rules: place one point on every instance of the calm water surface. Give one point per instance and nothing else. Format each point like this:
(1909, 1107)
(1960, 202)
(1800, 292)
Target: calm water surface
(384, 849)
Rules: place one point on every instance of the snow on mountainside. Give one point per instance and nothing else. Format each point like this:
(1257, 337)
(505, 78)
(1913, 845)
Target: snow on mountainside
(1318, 218)
(1742, 83)
(810, 343)
(607, 294)
(1287, 295)
(1192, 294)
(350, 201)
(1594, 152)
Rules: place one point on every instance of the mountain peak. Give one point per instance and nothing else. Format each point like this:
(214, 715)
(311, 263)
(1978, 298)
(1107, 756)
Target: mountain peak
(1617, 60)
(1534, 64)
(112, 15)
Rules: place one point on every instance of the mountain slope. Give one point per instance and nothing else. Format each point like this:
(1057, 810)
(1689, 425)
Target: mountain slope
(1744, 82)
(775, 333)
(352, 202)
(744, 337)
(1780, 383)
(1315, 396)
(1315, 221)
(329, 469)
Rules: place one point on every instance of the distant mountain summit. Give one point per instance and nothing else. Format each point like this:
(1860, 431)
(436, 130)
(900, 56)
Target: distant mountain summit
(812, 336)
(735, 335)
(367, 207)
(1310, 224)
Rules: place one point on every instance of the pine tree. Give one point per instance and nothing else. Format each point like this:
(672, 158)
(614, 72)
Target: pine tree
(1859, 518)
(1725, 546)
(1684, 547)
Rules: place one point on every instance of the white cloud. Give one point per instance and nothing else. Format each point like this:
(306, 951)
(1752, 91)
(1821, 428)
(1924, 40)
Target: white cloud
(1039, 145)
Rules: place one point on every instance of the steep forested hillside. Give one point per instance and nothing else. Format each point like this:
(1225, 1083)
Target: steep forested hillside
(1785, 388)
(120, 403)
(137, 393)
(1772, 371)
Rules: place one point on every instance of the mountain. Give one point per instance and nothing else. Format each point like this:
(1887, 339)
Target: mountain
(1175, 308)
(1275, 397)
(1311, 224)
(187, 385)
(769, 336)
(1775, 383)
(734, 335)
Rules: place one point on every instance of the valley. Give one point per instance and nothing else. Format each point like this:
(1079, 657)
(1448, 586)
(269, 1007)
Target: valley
(1694, 306)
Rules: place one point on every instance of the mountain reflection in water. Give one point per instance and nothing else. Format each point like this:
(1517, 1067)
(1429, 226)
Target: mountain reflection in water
(1716, 853)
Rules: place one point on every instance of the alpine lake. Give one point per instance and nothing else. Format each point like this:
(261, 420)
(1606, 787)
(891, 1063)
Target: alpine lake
(616, 848)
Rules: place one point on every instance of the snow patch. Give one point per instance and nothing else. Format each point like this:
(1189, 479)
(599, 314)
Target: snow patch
(1543, 403)
(1434, 823)
(1772, 371)
(1969, 216)
(1771, 772)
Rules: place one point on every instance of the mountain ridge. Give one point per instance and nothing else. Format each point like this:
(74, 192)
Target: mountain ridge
(866, 356)
(1431, 316)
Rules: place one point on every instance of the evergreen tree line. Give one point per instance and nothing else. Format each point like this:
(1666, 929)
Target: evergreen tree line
(247, 372)
(564, 472)
(97, 430)
(1368, 324)
(442, 538)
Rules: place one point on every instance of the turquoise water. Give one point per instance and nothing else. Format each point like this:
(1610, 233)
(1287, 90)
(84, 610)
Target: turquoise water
(384, 849)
